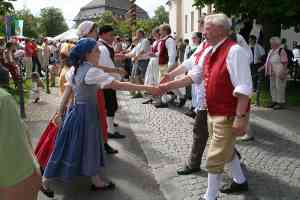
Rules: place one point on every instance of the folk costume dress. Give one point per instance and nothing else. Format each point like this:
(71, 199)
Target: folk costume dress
(79, 148)
(152, 74)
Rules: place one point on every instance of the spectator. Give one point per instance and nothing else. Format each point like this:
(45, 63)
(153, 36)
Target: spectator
(46, 54)
(296, 53)
(276, 67)
(258, 54)
(10, 61)
(28, 58)
(196, 39)
(35, 59)
(19, 176)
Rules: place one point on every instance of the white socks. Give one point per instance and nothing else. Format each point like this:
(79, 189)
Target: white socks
(110, 125)
(213, 187)
(237, 173)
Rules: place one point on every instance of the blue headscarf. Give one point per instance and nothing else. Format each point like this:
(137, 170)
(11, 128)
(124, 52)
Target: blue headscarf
(83, 46)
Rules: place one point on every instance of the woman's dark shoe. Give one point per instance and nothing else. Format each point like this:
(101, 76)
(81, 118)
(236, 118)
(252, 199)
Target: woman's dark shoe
(116, 135)
(272, 105)
(106, 186)
(190, 113)
(109, 149)
(49, 193)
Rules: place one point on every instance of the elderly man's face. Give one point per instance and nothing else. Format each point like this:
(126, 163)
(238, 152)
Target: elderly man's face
(213, 33)
(274, 45)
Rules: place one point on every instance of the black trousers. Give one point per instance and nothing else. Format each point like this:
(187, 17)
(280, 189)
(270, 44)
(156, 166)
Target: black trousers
(111, 102)
(36, 62)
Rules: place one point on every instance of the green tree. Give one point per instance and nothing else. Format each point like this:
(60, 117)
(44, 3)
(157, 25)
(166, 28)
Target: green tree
(31, 23)
(272, 14)
(6, 7)
(161, 15)
(52, 22)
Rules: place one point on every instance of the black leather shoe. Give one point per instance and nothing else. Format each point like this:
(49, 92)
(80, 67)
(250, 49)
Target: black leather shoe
(106, 186)
(49, 193)
(116, 135)
(181, 102)
(186, 170)
(235, 188)
(148, 101)
(161, 105)
(116, 125)
(109, 149)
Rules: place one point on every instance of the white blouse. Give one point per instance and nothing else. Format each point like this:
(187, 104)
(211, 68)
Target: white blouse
(94, 76)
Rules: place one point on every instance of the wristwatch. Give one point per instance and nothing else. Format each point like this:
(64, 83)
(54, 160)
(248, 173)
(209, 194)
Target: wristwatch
(241, 116)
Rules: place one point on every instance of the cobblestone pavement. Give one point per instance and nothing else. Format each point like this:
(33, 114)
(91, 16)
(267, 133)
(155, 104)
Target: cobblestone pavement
(271, 162)
(128, 169)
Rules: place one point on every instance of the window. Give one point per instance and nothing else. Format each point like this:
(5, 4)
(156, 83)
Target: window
(186, 23)
(192, 21)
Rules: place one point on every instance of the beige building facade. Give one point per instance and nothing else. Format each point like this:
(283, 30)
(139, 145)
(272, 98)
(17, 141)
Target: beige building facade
(184, 17)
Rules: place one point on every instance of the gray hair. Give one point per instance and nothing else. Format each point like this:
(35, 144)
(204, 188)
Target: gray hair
(275, 40)
(219, 19)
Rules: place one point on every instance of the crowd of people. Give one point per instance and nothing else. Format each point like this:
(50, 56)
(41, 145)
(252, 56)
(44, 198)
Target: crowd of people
(218, 70)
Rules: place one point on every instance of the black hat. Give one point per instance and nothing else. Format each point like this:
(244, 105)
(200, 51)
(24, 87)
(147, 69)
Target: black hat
(105, 29)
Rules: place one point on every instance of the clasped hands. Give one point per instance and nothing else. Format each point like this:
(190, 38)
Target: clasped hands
(162, 88)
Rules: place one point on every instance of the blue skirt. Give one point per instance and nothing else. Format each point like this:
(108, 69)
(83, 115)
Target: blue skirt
(78, 149)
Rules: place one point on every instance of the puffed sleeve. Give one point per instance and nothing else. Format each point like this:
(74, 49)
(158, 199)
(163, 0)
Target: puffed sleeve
(99, 77)
(69, 77)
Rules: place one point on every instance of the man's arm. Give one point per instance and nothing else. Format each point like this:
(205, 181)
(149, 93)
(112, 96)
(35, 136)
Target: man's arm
(179, 83)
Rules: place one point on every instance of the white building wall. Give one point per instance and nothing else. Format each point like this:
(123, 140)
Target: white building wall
(179, 11)
(291, 36)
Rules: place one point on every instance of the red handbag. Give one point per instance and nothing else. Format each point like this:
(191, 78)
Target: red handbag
(46, 143)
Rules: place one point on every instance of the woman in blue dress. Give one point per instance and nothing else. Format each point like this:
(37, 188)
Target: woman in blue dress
(79, 149)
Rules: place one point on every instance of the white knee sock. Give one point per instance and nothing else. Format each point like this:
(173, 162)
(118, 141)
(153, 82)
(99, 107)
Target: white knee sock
(213, 186)
(110, 124)
(237, 173)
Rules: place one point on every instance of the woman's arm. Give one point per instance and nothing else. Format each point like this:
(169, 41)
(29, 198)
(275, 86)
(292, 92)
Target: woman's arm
(126, 86)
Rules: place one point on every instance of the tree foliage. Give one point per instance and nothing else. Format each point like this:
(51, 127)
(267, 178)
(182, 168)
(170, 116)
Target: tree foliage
(286, 12)
(31, 23)
(52, 22)
(123, 28)
(6, 7)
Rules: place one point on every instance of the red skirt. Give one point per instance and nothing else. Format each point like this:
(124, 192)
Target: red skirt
(46, 143)
(102, 114)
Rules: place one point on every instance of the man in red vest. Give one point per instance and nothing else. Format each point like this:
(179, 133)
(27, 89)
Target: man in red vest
(228, 86)
(166, 56)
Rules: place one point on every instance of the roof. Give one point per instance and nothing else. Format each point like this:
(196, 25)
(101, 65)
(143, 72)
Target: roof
(96, 8)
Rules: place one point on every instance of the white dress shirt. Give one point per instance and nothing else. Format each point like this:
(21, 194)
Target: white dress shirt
(93, 76)
(194, 70)
(238, 67)
(143, 46)
(105, 59)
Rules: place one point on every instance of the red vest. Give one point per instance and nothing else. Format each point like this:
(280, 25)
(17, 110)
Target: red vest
(198, 55)
(219, 89)
(163, 57)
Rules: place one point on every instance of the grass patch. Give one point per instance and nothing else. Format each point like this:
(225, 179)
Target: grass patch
(292, 94)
